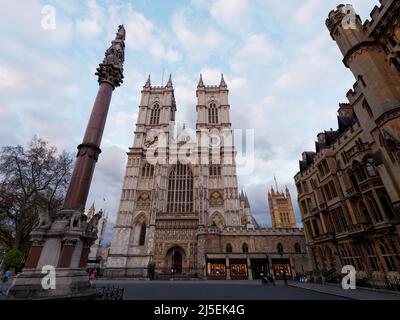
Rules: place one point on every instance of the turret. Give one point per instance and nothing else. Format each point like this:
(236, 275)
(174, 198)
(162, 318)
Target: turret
(377, 79)
(212, 105)
(346, 28)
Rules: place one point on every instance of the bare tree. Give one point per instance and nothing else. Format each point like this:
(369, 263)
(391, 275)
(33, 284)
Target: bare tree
(32, 180)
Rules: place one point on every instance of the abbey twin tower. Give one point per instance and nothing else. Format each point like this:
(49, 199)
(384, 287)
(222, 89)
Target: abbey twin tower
(181, 211)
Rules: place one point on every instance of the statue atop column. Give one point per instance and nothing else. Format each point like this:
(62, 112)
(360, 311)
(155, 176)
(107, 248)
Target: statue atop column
(111, 70)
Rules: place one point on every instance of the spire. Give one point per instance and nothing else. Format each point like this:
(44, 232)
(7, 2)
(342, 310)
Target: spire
(241, 197)
(201, 83)
(169, 83)
(222, 83)
(148, 82)
(276, 184)
(246, 201)
(287, 191)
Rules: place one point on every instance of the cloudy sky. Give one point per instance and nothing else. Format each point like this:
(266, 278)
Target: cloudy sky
(283, 70)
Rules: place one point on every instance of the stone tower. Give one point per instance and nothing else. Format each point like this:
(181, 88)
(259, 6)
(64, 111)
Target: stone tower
(145, 183)
(175, 185)
(281, 209)
(371, 52)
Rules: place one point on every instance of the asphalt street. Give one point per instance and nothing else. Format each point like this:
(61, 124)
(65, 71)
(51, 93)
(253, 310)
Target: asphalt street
(213, 290)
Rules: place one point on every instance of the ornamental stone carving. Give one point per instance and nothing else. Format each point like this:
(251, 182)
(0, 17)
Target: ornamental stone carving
(44, 221)
(111, 70)
(143, 200)
(216, 199)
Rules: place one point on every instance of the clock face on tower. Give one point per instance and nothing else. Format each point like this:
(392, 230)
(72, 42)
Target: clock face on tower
(150, 141)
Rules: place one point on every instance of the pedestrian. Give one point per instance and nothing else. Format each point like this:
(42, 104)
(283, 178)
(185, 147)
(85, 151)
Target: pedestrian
(93, 274)
(6, 276)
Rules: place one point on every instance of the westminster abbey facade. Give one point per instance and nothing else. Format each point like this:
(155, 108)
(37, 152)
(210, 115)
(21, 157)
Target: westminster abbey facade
(181, 211)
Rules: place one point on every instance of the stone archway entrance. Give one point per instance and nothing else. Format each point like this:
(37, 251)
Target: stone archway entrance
(175, 258)
(177, 262)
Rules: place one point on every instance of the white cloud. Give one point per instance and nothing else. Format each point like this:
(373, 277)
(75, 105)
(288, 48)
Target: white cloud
(230, 14)
(198, 44)
(90, 27)
(257, 50)
(11, 79)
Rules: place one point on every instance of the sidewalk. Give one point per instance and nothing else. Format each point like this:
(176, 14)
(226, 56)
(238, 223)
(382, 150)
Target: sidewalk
(358, 294)
(3, 289)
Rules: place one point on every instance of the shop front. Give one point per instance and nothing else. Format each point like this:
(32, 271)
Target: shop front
(216, 269)
(280, 267)
(238, 268)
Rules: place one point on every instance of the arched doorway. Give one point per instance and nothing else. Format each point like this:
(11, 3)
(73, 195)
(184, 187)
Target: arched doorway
(175, 259)
(177, 262)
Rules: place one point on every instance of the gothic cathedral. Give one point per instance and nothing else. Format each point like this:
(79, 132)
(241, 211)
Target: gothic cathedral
(180, 207)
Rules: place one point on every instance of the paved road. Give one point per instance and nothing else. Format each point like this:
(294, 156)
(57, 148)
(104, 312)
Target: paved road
(213, 290)
(358, 294)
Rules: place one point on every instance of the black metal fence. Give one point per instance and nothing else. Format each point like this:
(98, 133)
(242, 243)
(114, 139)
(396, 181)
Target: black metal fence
(152, 274)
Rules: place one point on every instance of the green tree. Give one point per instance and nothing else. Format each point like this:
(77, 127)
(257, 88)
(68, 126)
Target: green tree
(13, 259)
(32, 180)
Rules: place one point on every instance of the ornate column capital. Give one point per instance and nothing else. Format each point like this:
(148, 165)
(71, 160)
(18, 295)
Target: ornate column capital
(111, 70)
(90, 150)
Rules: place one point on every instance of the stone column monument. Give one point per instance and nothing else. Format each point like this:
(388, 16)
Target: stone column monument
(62, 240)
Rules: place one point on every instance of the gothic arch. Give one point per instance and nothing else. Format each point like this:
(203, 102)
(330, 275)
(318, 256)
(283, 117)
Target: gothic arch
(217, 219)
(141, 217)
(359, 171)
(175, 258)
(155, 113)
(176, 246)
(213, 113)
(139, 230)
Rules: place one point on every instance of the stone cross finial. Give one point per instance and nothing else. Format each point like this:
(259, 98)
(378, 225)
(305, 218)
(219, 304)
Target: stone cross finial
(111, 70)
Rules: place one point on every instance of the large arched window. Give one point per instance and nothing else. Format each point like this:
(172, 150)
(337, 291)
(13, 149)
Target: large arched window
(180, 190)
(229, 248)
(245, 248)
(212, 114)
(155, 114)
(142, 237)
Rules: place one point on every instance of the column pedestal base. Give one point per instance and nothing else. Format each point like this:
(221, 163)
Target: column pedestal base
(70, 284)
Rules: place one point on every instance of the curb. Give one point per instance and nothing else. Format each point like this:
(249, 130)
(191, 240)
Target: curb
(324, 292)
